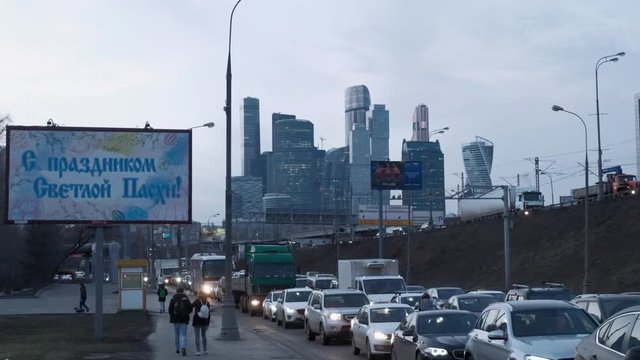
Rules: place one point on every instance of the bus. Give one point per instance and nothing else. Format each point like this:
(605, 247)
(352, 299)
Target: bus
(206, 270)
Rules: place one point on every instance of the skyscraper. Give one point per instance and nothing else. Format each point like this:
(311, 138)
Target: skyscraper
(250, 110)
(379, 132)
(420, 122)
(247, 196)
(356, 104)
(431, 197)
(360, 167)
(294, 163)
(478, 159)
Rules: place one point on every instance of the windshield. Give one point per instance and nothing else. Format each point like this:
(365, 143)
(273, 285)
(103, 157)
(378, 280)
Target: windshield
(383, 286)
(301, 282)
(531, 196)
(345, 300)
(565, 295)
(323, 283)
(169, 271)
(387, 315)
(212, 269)
(410, 300)
(273, 270)
(416, 288)
(445, 323)
(475, 304)
(626, 178)
(297, 296)
(612, 306)
(551, 322)
(445, 294)
(275, 295)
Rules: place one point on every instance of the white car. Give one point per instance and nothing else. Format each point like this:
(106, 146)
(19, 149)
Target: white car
(373, 326)
(269, 305)
(290, 306)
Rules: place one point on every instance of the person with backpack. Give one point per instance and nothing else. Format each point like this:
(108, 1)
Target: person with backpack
(162, 296)
(83, 298)
(201, 319)
(179, 311)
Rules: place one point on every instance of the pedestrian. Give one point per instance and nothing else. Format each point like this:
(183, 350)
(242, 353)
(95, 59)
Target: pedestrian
(162, 296)
(426, 303)
(159, 281)
(83, 298)
(201, 319)
(179, 311)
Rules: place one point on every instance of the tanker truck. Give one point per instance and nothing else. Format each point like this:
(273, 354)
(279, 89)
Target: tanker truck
(491, 203)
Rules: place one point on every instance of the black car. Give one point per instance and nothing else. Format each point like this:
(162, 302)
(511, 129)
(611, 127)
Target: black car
(546, 291)
(437, 334)
(617, 338)
(603, 306)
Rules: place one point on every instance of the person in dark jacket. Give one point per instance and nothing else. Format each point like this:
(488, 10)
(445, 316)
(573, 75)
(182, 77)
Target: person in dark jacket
(427, 303)
(83, 298)
(180, 319)
(162, 296)
(200, 325)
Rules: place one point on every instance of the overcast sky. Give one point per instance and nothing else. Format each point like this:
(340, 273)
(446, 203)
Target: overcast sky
(487, 68)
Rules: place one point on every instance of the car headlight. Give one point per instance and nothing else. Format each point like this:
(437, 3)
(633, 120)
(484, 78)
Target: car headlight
(289, 310)
(145, 279)
(178, 279)
(166, 281)
(272, 307)
(378, 335)
(189, 282)
(335, 316)
(206, 289)
(255, 302)
(533, 357)
(433, 351)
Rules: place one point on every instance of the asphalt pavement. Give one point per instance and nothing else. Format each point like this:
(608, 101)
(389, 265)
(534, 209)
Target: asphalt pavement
(62, 298)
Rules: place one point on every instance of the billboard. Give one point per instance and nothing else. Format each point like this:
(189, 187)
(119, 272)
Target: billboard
(97, 175)
(396, 175)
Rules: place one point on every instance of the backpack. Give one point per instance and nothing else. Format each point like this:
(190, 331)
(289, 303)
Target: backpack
(181, 307)
(163, 293)
(203, 313)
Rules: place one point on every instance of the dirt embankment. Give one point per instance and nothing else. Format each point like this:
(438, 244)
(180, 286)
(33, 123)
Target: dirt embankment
(546, 246)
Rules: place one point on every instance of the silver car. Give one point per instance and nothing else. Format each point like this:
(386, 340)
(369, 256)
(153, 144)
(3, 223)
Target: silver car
(373, 326)
(329, 313)
(529, 330)
(269, 305)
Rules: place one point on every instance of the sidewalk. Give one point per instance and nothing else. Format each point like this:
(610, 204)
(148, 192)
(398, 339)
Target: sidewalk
(251, 346)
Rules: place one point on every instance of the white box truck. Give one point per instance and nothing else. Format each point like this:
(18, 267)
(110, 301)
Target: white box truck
(378, 278)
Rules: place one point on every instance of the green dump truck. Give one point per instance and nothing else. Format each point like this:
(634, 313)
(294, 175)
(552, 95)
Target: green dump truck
(268, 267)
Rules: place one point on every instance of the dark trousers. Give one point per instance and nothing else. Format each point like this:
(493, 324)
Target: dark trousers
(83, 304)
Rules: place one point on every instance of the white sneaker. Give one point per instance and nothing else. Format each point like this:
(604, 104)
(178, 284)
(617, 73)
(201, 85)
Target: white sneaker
(197, 353)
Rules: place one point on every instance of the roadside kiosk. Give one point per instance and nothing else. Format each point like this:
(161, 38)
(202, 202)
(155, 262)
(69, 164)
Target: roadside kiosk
(131, 285)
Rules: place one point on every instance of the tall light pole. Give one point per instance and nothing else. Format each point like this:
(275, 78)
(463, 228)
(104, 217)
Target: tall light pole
(437, 131)
(586, 285)
(602, 60)
(229, 325)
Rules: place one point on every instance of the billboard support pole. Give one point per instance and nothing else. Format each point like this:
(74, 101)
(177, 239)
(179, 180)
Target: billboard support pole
(380, 227)
(408, 237)
(98, 279)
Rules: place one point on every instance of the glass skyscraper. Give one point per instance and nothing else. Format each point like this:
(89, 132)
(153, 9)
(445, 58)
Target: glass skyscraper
(250, 110)
(357, 102)
(478, 159)
(420, 123)
(379, 133)
(247, 196)
(431, 197)
(335, 188)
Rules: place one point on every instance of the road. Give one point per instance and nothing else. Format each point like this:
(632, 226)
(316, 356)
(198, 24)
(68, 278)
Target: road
(294, 341)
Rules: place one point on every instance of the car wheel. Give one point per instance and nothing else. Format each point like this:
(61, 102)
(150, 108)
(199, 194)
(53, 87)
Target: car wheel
(393, 354)
(354, 348)
(370, 356)
(469, 357)
(310, 335)
(324, 340)
(278, 323)
(285, 324)
(264, 314)
(273, 318)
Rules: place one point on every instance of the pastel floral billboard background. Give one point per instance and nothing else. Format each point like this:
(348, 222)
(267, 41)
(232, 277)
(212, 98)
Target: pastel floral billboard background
(98, 175)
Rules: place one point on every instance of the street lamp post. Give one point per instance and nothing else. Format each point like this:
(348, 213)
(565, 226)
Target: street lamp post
(602, 60)
(551, 180)
(437, 131)
(586, 285)
(209, 125)
(229, 325)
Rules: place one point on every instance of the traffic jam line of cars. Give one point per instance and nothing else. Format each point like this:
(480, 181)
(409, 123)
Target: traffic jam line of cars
(545, 322)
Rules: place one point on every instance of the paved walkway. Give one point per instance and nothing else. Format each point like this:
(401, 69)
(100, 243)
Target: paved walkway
(62, 298)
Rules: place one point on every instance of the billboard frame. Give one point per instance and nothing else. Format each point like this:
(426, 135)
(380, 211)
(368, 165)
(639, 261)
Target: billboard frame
(399, 176)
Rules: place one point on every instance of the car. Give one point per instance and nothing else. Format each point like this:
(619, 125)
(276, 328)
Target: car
(290, 306)
(549, 291)
(616, 338)
(408, 298)
(603, 306)
(435, 334)
(329, 313)
(373, 326)
(499, 295)
(474, 303)
(320, 282)
(301, 281)
(416, 288)
(528, 330)
(442, 294)
(269, 305)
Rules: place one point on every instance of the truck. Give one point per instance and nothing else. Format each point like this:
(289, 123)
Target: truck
(378, 278)
(166, 268)
(268, 267)
(617, 182)
(206, 271)
(491, 203)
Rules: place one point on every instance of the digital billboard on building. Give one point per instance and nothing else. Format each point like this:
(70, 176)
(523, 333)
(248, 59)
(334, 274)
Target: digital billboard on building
(97, 175)
(396, 175)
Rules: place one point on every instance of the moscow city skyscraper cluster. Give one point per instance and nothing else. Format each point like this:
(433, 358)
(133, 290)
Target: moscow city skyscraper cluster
(298, 177)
